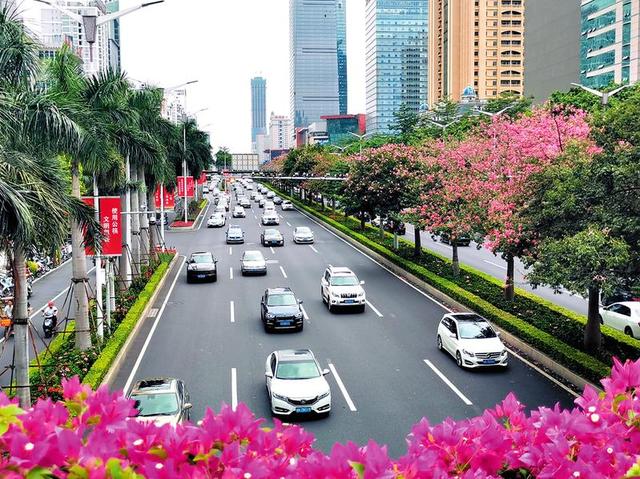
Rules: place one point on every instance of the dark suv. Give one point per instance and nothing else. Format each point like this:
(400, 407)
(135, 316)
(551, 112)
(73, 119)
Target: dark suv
(202, 266)
(279, 309)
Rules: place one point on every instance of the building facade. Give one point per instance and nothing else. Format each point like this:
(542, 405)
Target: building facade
(258, 107)
(341, 46)
(609, 42)
(341, 128)
(551, 47)
(313, 43)
(115, 61)
(174, 106)
(477, 44)
(396, 59)
(280, 132)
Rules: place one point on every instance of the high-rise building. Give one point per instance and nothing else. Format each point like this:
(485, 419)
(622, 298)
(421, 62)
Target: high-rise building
(174, 106)
(280, 132)
(396, 58)
(341, 37)
(114, 37)
(609, 43)
(551, 47)
(314, 64)
(258, 107)
(476, 44)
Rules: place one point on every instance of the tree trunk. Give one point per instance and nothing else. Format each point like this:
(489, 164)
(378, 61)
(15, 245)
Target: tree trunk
(135, 225)
(151, 206)
(333, 205)
(79, 273)
(417, 242)
(21, 327)
(455, 262)
(592, 336)
(362, 220)
(381, 227)
(509, 287)
(322, 201)
(144, 219)
(125, 259)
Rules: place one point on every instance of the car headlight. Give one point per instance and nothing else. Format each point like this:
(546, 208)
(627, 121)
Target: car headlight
(504, 352)
(191, 267)
(322, 396)
(335, 295)
(360, 294)
(468, 353)
(270, 316)
(299, 316)
(277, 396)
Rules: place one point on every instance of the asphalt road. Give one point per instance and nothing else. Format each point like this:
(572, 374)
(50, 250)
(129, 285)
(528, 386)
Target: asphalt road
(391, 372)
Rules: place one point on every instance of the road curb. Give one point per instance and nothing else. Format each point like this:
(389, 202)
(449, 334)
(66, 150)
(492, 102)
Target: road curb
(115, 367)
(527, 350)
(195, 222)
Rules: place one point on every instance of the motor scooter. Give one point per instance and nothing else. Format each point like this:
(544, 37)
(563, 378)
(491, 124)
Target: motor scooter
(49, 325)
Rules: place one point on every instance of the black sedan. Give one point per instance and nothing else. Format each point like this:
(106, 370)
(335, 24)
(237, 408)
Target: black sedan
(202, 266)
(462, 240)
(271, 237)
(279, 309)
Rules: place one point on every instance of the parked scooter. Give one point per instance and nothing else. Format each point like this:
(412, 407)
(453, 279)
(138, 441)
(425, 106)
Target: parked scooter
(50, 314)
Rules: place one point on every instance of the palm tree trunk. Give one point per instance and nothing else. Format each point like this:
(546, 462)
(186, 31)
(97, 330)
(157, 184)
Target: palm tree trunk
(151, 202)
(417, 242)
(135, 224)
(144, 219)
(125, 259)
(79, 272)
(21, 327)
(455, 261)
(509, 287)
(592, 336)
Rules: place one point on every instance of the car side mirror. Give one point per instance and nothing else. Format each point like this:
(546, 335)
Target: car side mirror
(187, 405)
(498, 333)
(268, 374)
(325, 372)
(362, 282)
(300, 301)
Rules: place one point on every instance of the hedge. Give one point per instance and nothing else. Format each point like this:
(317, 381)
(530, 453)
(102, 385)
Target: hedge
(107, 356)
(524, 325)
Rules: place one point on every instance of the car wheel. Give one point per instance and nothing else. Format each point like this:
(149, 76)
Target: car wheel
(215, 278)
(329, 306)
(362, 308)
(439, 341)
(301, 327)
(459, 359)
(628, 331)
(189, 279)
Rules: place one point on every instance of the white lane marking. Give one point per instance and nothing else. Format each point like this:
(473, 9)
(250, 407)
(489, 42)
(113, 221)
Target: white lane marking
(545, 374)
(234, 389)
(344, 391)
(232, 311)
(375, 310)
(448, 383)
(231, 272)
(152, 313)
(495, 264)
(304, 313)
(288, 223)
(311, 246)
(272, 251)
(272, 261)
(283, 273)
(230, 250)
(134, 370)
(255, 216)
(204, 215)
(35, 313)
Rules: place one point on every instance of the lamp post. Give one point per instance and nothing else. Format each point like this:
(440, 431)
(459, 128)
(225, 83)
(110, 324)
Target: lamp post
(492, 114)
(360, 138)
(184, 162)
(443, 126)
(604, 96)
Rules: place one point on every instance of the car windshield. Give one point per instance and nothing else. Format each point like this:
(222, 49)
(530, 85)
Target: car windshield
(162, 404)
(235, 231)
(344, 281)
(297, 370)
(253, 256)
(271, 233)
(303, 230)
(217, 216)
(202, 258)
(285, 299)
(476, 330)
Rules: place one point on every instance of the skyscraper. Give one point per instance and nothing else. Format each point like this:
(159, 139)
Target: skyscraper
(341, 34)
(609, 43)
(114, 37)
(258, 107)
(317, 59)
(396, 58)
(476, 44)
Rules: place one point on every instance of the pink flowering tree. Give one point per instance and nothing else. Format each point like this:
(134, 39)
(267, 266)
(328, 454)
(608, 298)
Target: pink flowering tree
(92, 435)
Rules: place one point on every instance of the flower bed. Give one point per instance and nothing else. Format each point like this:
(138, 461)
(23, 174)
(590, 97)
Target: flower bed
(89, 435)
(550, 328)
(62, 361)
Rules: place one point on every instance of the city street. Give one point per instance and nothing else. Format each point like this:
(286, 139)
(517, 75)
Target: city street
(386, 372)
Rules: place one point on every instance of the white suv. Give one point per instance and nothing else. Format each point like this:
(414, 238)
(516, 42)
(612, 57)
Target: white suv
(341, 287)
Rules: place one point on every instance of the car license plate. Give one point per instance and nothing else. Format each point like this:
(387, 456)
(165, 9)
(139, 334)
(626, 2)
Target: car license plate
(303, 409)
(202, 276)
(350, 301)
(489, 361)
(285, 323)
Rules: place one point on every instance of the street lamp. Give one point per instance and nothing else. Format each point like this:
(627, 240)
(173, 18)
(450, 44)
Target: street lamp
(360, 138)
(443, 126)
(604, 96)
(90, 23)
(492, 114)
(184, 162)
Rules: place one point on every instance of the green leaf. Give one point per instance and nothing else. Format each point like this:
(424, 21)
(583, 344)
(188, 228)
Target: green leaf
(9, 415)
(39, 473)
(633, 472)
(358, 467)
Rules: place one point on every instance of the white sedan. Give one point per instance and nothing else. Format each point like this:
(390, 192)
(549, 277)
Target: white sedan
(216, 220)
(238, 212)
(623, 316)
(471, 340)
(296, 383)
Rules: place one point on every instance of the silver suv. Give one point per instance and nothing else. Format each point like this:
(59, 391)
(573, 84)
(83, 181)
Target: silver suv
(340, 286)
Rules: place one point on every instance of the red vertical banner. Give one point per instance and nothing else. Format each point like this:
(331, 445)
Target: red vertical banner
(169, 199)
(190, 186)
(203, 178)
(111, 222)
(89, 201)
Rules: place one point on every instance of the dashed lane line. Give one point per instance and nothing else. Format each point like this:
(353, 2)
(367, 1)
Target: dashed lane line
(453, 387)
(343, 389)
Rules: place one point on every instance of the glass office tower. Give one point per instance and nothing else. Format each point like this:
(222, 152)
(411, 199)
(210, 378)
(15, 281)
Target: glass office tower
(609, 38)
(341, 26)
(313, 60)
(258, 107)
(396, 57)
